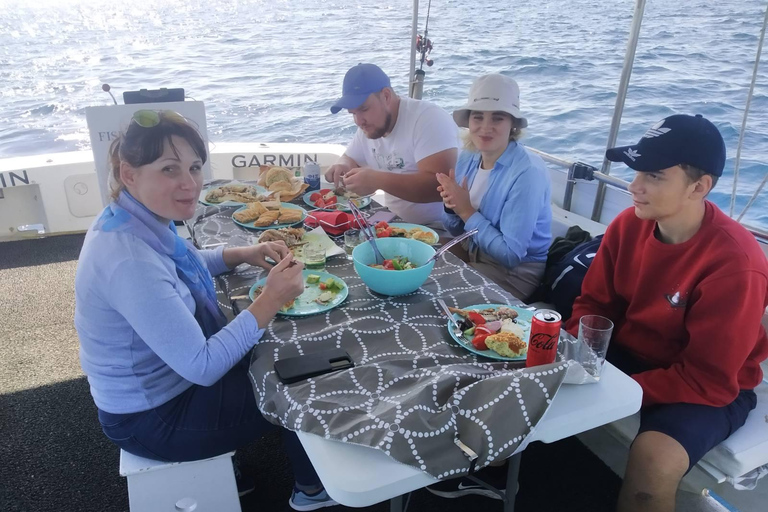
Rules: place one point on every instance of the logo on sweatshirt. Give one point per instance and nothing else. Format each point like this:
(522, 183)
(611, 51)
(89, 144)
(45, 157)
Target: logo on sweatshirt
(676, 300)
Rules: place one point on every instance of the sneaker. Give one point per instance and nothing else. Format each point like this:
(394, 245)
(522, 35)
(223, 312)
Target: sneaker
(302, 501)
(495, 476)
(245, 483)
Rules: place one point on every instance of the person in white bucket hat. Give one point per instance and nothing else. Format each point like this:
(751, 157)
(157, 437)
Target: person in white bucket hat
(500, 188)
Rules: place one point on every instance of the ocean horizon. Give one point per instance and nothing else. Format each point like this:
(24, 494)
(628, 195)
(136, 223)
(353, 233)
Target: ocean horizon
(269, 71)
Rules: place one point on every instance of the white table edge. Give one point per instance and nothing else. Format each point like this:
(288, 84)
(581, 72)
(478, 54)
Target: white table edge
(360, 476)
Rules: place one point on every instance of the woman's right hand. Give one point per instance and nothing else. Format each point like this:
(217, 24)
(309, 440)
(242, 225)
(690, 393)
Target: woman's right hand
(285, 281)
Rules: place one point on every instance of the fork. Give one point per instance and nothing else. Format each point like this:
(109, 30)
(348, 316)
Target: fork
(456, 329)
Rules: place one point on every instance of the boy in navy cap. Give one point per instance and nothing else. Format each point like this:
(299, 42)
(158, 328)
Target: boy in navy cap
(686, 288)
(399, 147)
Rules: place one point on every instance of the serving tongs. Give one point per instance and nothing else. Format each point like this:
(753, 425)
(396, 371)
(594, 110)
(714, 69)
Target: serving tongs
(451, 243)
(368, 231)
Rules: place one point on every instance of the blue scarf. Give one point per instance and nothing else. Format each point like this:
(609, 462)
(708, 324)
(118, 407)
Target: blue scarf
(128, 215)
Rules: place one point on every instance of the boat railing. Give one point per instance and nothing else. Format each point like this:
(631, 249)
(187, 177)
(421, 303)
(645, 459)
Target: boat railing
(580, 171)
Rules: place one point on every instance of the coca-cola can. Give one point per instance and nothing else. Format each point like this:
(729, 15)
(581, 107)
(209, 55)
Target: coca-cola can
(545, 334)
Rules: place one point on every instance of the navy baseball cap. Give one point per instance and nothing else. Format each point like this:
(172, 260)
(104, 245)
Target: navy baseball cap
(675, 140)
(360, 82)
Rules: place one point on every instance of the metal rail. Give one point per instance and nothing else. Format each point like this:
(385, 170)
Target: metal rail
(626, 72)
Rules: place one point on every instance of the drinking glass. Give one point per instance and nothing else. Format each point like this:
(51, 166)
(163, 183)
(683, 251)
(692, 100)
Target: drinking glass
(314, 257)
(595, 334)
(351, 240)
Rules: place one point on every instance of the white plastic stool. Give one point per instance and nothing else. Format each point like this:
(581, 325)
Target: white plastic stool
(201, 486)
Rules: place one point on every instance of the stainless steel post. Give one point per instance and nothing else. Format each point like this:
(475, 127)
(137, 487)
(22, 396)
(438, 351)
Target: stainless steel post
(417, 86)
(626, 72)
(414, 33)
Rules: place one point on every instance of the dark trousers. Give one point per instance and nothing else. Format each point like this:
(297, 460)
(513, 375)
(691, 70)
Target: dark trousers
(698, 428)
(203, 422)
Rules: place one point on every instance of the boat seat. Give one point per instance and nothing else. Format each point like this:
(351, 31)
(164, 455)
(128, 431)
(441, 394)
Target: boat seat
(201, 485)
(744, 451)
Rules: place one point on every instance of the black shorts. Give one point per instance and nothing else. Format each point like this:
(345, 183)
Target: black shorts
(698, 428)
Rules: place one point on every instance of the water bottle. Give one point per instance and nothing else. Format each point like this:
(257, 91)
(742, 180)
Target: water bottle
(312, 175)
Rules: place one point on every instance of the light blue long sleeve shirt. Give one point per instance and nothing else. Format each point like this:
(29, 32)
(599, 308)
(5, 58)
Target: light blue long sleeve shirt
(140, 344)
(514, 219)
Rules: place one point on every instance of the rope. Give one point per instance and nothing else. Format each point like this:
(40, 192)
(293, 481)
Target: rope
(746, 113)
(754, 196)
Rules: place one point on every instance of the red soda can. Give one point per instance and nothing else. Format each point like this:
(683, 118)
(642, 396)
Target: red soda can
(545, 334)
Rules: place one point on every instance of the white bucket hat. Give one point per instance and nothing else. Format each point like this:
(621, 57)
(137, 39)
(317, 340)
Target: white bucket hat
(492, 93)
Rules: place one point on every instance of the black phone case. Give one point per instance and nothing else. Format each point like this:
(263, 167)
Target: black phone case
(294, 369)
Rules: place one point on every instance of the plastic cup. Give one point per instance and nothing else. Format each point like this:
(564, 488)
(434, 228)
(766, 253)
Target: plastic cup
(351, 240)
(595, 333)
(314, 257)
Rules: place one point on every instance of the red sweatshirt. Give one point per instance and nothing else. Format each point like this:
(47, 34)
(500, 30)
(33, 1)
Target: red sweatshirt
(693, 309)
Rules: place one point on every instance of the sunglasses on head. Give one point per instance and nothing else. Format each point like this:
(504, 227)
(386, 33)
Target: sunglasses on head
(152, 118)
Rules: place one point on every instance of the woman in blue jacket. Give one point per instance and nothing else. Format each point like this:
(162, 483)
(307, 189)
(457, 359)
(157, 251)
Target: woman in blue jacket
(167, 373)
(500, 188)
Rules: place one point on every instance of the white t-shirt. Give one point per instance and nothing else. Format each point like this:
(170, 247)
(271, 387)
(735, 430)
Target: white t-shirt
(422, 129)
(479, 185)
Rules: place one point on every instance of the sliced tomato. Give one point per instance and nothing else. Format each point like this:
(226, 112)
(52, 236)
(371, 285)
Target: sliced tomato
(482, 329)
(331, 200)
(388, 265)
(382, 225)
(479, 341)
(384, 233)
(324, 191)
(476, 318)
(314, 197)
(320, 203)
(322, 286)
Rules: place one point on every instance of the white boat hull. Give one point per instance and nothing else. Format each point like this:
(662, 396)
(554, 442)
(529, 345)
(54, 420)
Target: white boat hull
(58, 193)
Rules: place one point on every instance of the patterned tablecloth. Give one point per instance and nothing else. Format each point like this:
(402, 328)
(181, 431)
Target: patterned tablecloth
(413, 390)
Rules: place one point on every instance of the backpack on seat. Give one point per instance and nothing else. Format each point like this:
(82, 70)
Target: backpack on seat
(562, 280)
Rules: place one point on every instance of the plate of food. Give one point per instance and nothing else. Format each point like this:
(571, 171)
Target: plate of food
(322, 292)
(298, 238)
(282, 181)
(334, 200)
(407, 230)
(233, 194)
(496, 331)
(269, 214)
